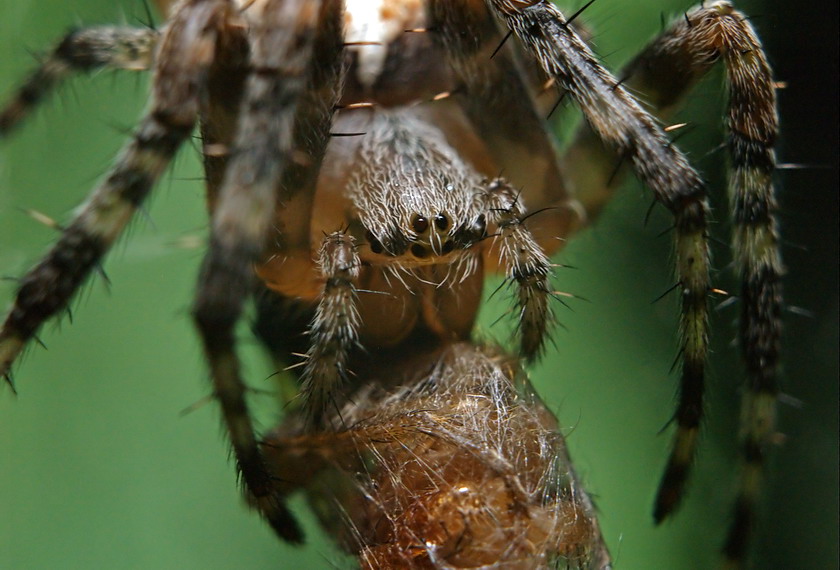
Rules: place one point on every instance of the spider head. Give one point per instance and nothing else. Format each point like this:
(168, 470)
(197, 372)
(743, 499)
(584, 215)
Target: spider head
(417, 200)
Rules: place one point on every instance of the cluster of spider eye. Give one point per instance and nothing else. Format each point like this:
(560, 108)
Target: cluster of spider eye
(366, 164)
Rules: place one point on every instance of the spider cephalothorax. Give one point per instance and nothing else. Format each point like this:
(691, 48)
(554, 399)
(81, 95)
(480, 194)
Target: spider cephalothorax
(365, 162)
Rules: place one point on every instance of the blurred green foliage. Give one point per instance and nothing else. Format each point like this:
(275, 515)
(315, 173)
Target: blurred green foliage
(98, 470)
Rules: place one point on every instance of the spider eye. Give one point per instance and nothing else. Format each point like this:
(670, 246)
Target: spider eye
(419, 251)
(375, 244)
(480, 225)
(441, 222)
(419, 224)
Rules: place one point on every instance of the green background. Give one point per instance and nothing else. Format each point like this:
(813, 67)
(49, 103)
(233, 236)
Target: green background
(98, 470)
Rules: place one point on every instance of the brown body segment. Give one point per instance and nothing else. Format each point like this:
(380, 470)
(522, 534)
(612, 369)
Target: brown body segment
(448, 459)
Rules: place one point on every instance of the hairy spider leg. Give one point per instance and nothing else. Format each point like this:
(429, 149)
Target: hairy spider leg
(186, 51)
(80, 51)
(662, 74)
(286, 37)
(335, 327)
(704, 36)
(525, 263)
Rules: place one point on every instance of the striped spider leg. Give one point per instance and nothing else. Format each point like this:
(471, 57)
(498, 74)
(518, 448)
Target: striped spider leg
(704, 36)
(186, 58)
(662, 74)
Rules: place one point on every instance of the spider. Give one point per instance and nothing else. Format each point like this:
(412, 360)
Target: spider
(371, 241)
